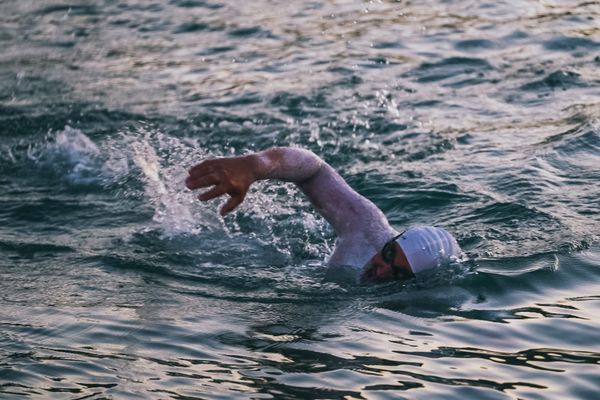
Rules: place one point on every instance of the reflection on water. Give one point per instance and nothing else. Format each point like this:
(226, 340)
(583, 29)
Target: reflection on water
(117, 283)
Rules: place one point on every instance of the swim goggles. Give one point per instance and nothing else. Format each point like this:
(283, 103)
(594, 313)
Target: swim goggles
(388, 254)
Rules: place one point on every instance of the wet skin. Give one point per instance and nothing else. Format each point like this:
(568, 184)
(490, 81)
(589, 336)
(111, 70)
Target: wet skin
(234, 176)
(378, 270)
(361, 227)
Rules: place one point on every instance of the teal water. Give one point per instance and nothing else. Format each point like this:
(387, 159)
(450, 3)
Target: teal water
(479, 117)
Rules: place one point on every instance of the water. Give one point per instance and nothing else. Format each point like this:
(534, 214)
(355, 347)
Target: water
(116, 283)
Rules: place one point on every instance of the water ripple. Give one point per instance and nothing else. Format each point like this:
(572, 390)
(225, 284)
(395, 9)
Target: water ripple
(117, 283)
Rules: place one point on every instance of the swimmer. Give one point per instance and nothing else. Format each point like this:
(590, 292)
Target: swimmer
(365, 240)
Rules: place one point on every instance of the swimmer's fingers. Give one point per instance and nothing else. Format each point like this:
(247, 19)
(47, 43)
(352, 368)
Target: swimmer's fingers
(199, 181)
(204, 167)
(232, 203)
(213, 193)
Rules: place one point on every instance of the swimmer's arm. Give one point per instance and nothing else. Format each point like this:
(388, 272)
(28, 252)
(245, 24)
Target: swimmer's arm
(345, 209)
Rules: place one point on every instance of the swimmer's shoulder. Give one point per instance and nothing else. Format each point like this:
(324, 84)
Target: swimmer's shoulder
(355, 249)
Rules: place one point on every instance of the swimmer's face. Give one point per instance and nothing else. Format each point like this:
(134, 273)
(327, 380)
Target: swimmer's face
(388, 264)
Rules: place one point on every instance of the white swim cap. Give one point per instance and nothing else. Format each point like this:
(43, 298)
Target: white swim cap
(427, 247)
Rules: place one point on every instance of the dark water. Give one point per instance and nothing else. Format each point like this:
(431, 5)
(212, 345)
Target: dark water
(481, 117)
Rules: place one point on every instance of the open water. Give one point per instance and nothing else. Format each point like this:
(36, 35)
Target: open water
(481, 117)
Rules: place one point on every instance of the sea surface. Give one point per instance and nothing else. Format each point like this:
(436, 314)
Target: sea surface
(482, 117)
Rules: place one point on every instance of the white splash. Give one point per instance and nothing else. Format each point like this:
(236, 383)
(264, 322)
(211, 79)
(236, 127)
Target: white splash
(71, 151)
(71, 155)
(274, 214)
(157, 160)
(175, 208)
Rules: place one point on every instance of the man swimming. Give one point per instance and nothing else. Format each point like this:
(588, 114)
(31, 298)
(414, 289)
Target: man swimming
(364, 237)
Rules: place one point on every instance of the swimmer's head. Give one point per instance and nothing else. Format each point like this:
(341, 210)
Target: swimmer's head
(413, 251)
(388, 264)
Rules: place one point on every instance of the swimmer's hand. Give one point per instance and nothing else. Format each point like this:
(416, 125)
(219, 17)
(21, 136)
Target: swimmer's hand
(230, 175)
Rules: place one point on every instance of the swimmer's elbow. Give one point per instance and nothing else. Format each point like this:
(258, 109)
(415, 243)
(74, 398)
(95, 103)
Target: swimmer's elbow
(289, 164)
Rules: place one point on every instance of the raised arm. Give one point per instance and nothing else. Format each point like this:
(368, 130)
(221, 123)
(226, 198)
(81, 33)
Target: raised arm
(345, 209)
